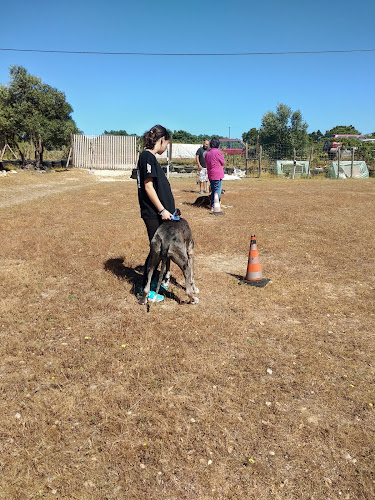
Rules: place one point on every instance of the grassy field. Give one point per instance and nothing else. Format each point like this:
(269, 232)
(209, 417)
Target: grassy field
(251, 394)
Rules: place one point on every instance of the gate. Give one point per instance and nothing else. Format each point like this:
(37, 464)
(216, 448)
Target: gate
(104, 152)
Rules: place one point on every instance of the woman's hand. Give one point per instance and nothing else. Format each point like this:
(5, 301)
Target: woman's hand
(166, 215)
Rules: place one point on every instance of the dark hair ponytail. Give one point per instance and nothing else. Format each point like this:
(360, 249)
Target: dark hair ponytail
(214, 142)
(151, 137)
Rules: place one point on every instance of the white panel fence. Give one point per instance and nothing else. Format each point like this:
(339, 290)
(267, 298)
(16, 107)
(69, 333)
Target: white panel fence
(104, 152)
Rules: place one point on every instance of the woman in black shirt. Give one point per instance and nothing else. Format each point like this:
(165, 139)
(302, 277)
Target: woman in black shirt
(154, 191)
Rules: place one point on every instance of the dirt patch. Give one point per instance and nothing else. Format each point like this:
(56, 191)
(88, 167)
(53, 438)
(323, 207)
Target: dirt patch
(220, 263)
(26, 186)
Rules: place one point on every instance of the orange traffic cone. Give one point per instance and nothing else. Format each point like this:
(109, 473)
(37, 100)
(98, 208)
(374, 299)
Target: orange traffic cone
(217, 207)
(254, 274)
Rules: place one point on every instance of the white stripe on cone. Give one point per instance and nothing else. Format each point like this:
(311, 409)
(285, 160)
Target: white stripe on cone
(217, 207)
(254, 276)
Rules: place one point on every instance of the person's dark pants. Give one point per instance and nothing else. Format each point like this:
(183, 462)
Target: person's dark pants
(151, 226)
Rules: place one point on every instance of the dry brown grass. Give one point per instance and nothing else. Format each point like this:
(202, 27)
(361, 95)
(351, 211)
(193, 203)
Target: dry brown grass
(100, 400)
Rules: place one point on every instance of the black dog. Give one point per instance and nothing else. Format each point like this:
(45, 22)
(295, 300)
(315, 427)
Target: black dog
(173, 240)
(204, 201)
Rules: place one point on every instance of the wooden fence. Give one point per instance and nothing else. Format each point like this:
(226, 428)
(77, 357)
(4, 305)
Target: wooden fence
(104, 152)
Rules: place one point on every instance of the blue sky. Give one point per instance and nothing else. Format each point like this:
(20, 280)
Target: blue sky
(202, 95)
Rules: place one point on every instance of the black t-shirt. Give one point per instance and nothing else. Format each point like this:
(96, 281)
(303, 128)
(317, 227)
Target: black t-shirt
(148, 166)
(202, 153)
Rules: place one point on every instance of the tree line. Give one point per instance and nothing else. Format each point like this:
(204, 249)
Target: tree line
(34, 113)
(180, 136)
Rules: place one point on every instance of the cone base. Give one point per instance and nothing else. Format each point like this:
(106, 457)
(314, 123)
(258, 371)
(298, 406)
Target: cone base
(258, 283)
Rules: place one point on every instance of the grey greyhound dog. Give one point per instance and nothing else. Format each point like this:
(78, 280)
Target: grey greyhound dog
(173, 240)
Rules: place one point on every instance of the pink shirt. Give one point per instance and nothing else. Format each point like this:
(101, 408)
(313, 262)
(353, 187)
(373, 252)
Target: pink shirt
(214, 162)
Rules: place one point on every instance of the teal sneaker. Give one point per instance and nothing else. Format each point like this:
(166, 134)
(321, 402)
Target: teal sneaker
(154, 284)
(155, 297)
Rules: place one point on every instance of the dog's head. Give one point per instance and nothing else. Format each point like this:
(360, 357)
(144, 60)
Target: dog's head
(178, 212)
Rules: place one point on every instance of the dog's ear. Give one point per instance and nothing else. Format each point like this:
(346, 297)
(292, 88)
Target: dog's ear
(178, 212)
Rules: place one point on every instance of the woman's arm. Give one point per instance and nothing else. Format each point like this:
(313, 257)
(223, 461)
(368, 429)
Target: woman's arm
(221, 158)
(152, 194)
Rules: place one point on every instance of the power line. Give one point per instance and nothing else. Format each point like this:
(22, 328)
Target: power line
(199, 54)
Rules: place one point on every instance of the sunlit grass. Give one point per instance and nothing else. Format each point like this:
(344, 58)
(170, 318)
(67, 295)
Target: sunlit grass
(253, 393)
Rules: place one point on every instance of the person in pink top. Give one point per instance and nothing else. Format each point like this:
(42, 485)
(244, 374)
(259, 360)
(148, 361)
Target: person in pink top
(214, 162)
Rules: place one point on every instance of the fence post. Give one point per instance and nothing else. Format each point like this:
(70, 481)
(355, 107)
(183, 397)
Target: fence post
(294, 163)
(352, 164)
(168, 162)
(246, 159)
(310, 160)
(170, 153)
(68, 160)
(260, 161)
(338, 161)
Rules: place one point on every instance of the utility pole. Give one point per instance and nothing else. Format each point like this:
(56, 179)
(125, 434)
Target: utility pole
(229, 133)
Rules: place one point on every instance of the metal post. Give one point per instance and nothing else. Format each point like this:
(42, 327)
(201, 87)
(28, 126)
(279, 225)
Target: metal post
(294, 163)
(352, 165)
(338, 161)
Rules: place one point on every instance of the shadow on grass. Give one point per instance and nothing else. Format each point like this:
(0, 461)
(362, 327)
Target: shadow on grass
(134, 276)
(258, 283)
(237, 276)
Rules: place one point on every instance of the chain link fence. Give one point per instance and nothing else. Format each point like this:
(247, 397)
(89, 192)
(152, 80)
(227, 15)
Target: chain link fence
(289, 161)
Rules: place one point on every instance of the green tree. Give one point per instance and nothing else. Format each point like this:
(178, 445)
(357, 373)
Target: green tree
(316, 136)
(36, 112)
(181, 136)
(298, 132)
(115, 132)
(283, 131)
(184, 137)
(342, 129)
(8, 125)
(251, 136)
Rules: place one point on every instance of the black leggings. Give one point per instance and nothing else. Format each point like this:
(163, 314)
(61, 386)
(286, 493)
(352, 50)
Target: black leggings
(151, 226)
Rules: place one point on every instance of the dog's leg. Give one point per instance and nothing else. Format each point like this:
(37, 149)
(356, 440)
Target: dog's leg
(183, 261)
(153, 263)
(161, 274)
(190, 252)
(167, 275)
(191, 289)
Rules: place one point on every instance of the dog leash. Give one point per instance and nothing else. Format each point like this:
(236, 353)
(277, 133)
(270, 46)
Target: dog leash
(174, 216)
